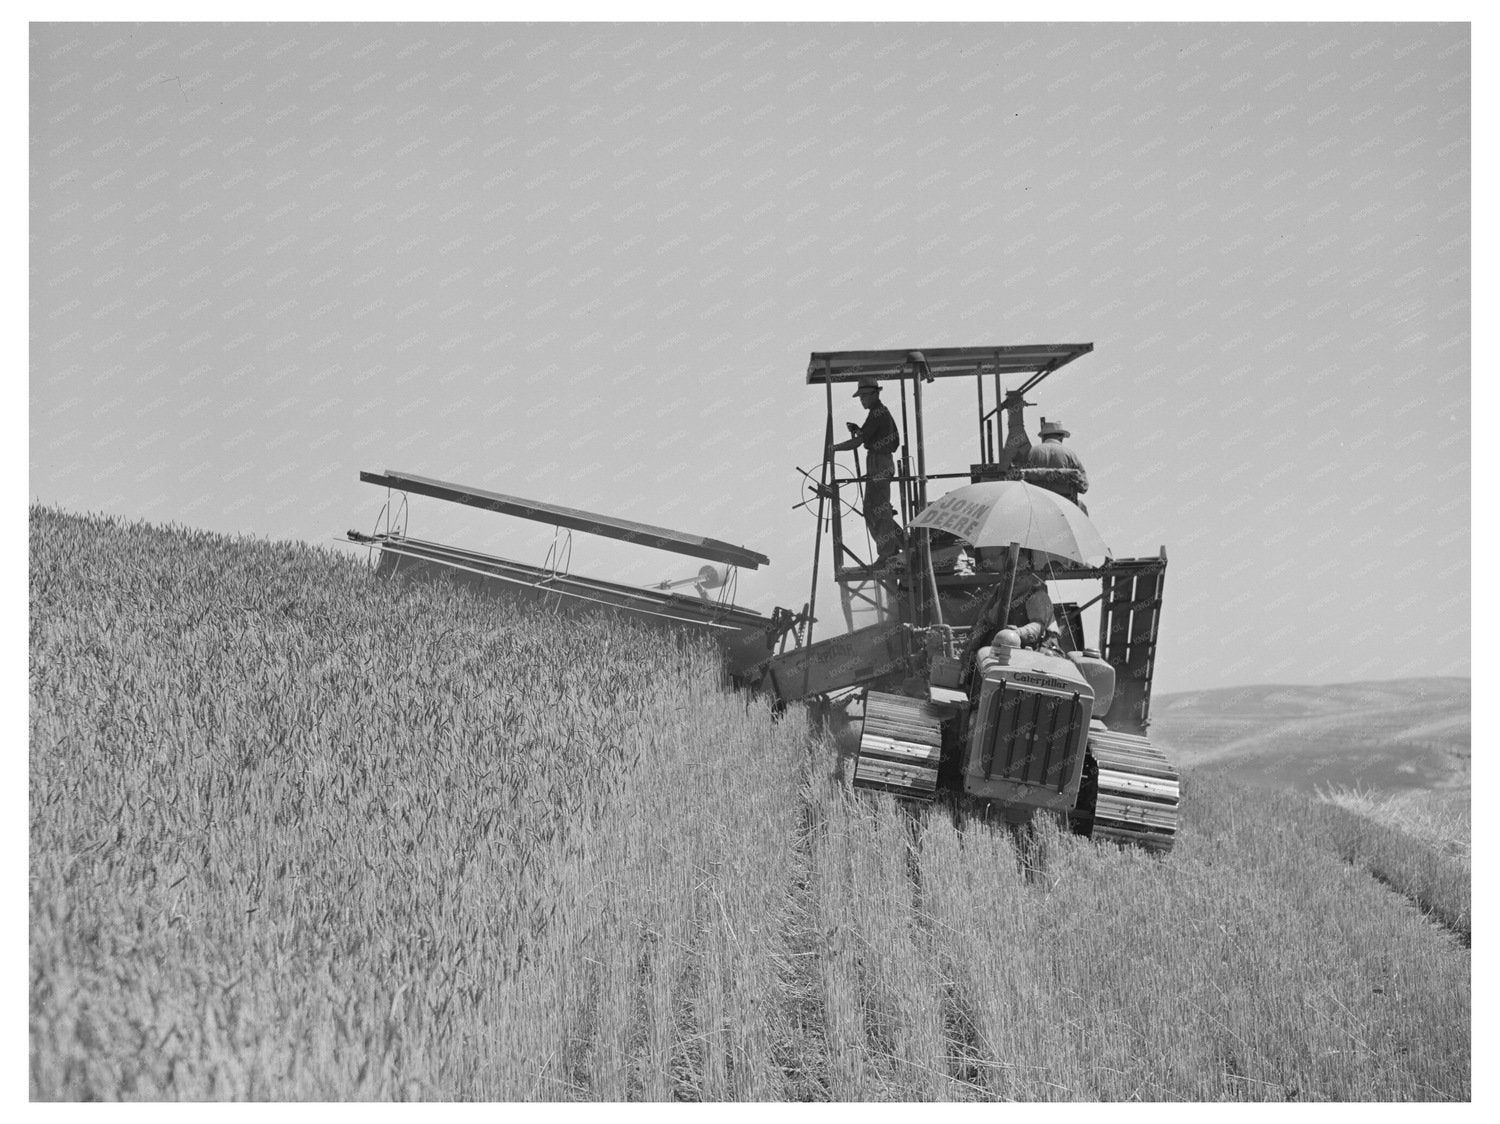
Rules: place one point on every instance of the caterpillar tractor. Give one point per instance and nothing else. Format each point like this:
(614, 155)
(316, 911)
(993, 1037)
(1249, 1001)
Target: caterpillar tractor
(1059, 729)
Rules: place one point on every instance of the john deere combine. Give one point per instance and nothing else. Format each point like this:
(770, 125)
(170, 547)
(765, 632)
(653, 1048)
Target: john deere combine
(1059, 728)
(1056, 726)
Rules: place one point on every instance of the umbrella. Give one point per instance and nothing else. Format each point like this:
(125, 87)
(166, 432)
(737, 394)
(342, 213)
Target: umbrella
(1000, 512)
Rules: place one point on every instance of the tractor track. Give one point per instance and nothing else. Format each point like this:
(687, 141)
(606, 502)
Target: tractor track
(962, 1056)
(807, 1064)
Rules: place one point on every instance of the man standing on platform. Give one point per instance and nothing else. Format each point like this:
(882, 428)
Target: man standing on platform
(881, 438)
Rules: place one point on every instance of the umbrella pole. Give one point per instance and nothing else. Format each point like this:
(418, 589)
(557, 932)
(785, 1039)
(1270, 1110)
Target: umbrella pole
(1013, 560)
(937, 605)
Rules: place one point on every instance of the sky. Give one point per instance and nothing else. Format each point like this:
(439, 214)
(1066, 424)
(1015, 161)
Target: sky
(588, 263)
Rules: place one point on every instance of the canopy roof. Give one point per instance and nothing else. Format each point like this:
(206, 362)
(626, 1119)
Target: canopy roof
(662, 538)
(943, 362)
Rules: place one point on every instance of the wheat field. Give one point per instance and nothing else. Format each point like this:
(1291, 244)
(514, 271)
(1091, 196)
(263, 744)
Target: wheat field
(300, 834)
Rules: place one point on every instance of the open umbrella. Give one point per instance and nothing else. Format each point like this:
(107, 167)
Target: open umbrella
(1000, 512)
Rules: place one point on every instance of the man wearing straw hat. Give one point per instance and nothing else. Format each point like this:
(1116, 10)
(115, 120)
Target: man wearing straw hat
(881, 438)
(1067, 477)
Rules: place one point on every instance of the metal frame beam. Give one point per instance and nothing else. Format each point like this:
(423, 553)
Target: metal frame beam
(944, 362)
(608, 526)
(650, 602)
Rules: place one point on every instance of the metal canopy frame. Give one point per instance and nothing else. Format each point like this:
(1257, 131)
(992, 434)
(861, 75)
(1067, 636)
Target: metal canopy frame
(573, 519)
(1032, 362)
(1039, 360)
(1130, 589)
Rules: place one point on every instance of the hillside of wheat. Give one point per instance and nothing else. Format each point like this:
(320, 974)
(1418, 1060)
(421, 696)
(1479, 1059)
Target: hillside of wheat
(297, 833)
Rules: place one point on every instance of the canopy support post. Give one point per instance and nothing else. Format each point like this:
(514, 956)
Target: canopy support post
(923, 545)
(812, 596)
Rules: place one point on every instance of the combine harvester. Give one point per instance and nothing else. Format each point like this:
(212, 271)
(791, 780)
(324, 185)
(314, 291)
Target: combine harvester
(746, 637)
(1018, 731)
(1021, 731)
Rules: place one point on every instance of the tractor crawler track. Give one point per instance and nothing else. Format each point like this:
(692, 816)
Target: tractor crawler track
(1134, 801)
(1138, 791)
(900, 746)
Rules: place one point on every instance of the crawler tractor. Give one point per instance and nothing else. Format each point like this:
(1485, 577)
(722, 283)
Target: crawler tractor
(1061, 732)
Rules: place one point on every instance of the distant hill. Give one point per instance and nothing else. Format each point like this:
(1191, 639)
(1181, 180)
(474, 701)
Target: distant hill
(1386, 736)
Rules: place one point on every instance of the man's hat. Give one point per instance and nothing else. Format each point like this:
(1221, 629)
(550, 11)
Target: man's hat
(866, 386)
(1053, 429)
